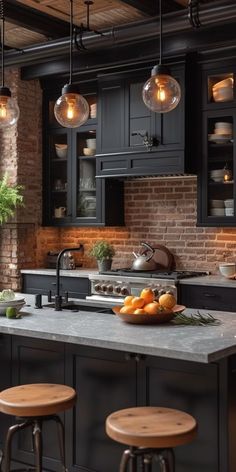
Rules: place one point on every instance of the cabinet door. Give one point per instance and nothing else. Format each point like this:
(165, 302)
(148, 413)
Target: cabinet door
(208, 298)
(57, 177)
(105, 382)
(35, 361)
(5, 381)
(218, 169)
(190, 387)
(111, 116)
(77, 287)
(171, 130)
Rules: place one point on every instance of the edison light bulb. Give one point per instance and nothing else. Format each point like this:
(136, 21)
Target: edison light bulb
(161, 93)
(9, 111)
(71, 109)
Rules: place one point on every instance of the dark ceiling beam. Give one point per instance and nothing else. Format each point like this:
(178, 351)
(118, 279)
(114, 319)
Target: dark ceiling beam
(34, 20)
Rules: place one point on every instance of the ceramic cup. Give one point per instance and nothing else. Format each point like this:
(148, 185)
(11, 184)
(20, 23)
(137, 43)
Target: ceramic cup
(228, 269)
(59, 212)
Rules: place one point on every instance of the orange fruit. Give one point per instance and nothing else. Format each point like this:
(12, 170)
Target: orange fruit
(137, 302)
(128, 309)
(148, 295)
(152, 308)
(128, 300)
(139, 311)
(167, 300)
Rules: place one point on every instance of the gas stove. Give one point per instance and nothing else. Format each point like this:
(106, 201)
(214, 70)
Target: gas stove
(114, 285)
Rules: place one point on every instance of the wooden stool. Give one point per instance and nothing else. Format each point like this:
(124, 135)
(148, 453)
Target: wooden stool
(150, 432)
(33, 404)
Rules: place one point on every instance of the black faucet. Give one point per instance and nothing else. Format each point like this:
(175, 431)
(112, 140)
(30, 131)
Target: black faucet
(58, 298)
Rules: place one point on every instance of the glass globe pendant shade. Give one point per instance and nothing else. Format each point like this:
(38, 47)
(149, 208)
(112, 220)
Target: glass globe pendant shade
(71, 109)
(9, 110)
(161, 93)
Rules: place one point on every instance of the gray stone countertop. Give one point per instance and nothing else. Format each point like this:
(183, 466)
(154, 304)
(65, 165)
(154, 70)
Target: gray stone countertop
(210, 280)
(199, 344)
(65, 273)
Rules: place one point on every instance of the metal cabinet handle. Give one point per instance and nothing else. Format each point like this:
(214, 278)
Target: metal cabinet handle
(210, 295)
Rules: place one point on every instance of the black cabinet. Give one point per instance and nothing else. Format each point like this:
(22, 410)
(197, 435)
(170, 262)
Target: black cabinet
(105, 381)
(72, 194)
(217, 188)
(33, 361)
(108, 380)
(5, 381)
(207, 297)
(77, 287)
(131, 139)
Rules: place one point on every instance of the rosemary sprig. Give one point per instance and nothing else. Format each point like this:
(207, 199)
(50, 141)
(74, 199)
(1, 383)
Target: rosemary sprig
(195, 319)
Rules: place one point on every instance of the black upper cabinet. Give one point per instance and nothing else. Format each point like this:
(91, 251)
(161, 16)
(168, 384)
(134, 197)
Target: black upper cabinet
(217, 190)
(72, 194)
(131, 139)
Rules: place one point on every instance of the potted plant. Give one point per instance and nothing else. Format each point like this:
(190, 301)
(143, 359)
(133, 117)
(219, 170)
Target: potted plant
(103, 252)
(10, 198)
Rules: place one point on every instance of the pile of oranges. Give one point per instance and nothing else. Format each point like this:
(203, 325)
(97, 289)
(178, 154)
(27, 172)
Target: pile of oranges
(146, 304)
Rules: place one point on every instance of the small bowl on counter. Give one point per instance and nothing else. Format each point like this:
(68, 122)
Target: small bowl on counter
(228, 269)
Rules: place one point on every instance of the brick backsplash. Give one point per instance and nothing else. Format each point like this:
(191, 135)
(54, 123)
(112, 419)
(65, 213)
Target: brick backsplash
(159, 211)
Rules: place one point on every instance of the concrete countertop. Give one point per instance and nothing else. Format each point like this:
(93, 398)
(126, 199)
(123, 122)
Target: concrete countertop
(209, 280)
(199, 344)
(65, 273)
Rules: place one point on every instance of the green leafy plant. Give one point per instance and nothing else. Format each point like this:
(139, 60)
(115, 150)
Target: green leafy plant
(10, 198)
(102, 250)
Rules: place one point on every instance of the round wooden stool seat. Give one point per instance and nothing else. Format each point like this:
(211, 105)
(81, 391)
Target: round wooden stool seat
(36, 399)
(152, 427)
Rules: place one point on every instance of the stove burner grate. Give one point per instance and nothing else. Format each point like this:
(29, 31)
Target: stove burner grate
(172, 274)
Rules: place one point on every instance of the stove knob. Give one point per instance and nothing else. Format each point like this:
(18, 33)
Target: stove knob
(104, 288)
(161, 292)
(97, 288)
(110, 288)
(117, 289)
(124, 290)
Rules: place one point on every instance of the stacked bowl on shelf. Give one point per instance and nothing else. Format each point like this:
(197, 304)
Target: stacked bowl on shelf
(223, 91)
(223, 132)
(90, 150)
(217, 175)
(222, 207)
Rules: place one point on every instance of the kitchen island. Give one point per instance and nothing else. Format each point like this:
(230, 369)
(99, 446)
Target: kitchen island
(114, 365)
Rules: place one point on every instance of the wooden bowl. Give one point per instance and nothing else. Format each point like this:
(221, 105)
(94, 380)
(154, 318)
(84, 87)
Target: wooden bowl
(162, 317)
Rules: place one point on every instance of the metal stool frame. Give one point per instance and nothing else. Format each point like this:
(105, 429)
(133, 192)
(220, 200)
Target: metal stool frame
(36, 424)
(130, 456)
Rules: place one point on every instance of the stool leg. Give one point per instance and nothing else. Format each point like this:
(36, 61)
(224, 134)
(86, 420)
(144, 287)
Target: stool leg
(125, 460)
(148, 463)
(167, 463)
(7, 450)
(61, 437)
(37, 433)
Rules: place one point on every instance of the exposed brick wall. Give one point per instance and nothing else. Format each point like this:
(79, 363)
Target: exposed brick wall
(159, 211)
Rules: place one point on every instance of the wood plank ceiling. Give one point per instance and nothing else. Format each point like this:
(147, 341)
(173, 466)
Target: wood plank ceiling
(29, 22)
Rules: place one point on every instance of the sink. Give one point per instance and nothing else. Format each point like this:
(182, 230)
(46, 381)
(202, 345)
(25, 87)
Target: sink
(76, 307)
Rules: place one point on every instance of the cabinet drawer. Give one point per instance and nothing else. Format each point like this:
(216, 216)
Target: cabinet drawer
(209, 298)
(78, 287)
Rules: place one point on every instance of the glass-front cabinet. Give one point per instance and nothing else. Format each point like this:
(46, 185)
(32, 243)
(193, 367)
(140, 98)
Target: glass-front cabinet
(72, 194)
(217, 175)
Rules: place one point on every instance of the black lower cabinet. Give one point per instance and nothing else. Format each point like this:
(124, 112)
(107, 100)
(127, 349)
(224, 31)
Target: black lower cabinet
(35, 361)
(77, 287)
(190, 387)
(108, 380)
(105, 381)
(5, 380)
(207, 297)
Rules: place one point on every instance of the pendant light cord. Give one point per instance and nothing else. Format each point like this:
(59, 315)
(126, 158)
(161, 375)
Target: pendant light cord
(71, 40)
(160, 23)
(2, 37)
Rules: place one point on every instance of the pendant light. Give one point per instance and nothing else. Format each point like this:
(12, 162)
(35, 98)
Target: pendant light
(9, 110)
(71, 109)
(161, 93)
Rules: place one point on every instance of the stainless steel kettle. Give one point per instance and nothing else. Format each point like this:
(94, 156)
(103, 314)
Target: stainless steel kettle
(144, 261)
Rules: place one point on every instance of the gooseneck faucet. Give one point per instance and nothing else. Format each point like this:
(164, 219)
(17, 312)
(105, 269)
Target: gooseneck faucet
(58, 298)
